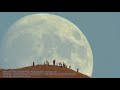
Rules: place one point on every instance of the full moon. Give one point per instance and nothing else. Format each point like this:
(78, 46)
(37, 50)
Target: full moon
(41, 37)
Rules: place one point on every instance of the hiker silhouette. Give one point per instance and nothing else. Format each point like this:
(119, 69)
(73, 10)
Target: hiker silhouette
(47, 63)
(63, 64)
(33, 63)
(60, 64)
(77, 70)
(54, 62)
(69, 67)
(44, 63)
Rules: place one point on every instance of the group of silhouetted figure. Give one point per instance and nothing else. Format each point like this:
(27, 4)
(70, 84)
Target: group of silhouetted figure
(57, 64)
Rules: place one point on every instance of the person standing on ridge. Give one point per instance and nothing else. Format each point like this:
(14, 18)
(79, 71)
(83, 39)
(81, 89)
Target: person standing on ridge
(69, 67)
(54, 62)
(33, 63)
(77, 70)
(63, 64)
(47, 63)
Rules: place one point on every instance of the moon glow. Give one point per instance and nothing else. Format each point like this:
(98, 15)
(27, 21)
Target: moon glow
(40, 37)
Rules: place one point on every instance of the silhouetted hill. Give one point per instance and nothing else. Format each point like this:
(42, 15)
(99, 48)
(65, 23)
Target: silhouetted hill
(41, 71)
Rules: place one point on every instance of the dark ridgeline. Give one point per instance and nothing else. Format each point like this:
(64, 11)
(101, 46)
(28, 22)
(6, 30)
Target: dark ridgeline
(56, 70)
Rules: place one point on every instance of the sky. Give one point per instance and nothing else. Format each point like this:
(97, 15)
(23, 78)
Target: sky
(102, 30)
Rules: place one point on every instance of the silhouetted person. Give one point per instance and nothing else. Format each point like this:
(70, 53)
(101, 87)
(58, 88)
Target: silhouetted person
(77, 70)
(44, 63)
(54, 62)
(47, 62)
(63, 64)
(60, 64)
(69, 67)
(33, 63)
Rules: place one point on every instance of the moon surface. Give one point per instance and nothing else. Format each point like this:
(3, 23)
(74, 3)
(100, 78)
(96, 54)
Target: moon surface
(41, 37)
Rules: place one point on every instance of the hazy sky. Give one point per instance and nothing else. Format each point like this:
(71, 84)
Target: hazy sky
(102, 29)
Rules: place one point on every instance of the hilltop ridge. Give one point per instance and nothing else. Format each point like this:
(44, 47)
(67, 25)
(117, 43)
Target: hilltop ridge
(41, 71)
